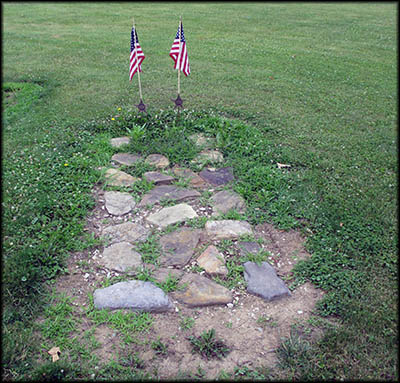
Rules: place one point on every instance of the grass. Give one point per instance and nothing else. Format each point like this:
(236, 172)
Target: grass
(208, 346)
(316, 89)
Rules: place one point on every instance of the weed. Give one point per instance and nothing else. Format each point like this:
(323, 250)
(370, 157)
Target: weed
(208, 346)
(170, 284)
(264, 321)
(160, 348)
(186, 323)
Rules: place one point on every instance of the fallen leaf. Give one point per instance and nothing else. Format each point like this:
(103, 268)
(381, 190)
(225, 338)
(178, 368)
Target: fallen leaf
(54, 353)
(280, 166)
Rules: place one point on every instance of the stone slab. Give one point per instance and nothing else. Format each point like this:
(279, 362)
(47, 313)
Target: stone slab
(217, 177)
(127, 159)
(263, 281)
(121, 257)
(135, 295)
(201, 291)
(171, 215)
(115, 177)
(117, 142)
(126, 232)
(208, 155)
(118, 203)
(161, 275)
(227, 229)
(226, 200)
(212, 262)
(158, 160)
(246, 247)
(178, 247)
(158, 178)
(194, 179)
(167, 193)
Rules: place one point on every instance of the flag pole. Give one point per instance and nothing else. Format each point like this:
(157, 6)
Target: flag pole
(138, 71)
(179, 57)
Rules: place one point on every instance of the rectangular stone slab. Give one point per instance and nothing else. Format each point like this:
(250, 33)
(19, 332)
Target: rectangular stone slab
(171, 215)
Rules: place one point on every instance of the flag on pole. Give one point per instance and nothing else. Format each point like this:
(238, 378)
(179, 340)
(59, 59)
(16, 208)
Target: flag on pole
(180, 56)
(137, 55)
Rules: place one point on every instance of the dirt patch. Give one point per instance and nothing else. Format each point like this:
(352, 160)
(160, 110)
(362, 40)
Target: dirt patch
(251, 327)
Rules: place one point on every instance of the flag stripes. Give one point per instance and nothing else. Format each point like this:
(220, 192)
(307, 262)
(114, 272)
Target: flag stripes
(137, 56)
(180, 56)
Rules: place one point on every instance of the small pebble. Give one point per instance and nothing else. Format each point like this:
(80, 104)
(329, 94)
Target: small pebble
(300, 312)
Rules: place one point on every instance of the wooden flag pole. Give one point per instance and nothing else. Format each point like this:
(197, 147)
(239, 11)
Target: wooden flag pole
(138, 71)
(179, 57)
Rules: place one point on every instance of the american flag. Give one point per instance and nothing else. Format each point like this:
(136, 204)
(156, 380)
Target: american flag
(181, 58)
(137, 55)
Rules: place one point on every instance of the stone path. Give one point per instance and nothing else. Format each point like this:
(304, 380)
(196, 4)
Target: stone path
(183, 245)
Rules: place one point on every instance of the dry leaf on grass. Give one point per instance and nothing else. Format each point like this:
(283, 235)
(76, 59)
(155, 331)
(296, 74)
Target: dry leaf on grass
(54, 352)
(280, 166)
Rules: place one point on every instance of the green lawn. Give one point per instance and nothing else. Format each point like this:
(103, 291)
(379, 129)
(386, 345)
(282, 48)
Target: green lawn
(313, 85)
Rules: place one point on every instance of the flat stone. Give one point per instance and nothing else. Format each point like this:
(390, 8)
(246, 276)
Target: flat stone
(227, 229)
(218, 177)
(171, 215)
(226, 200)
(263, 281)
(246, 247)
(121, 257)
(126, 158)
(208, 155)
(119, 141)
(158, 160)
(161, 275)
(194, 179)
(135, 295)
(167, 193)
(201, 291)
(201, 140)
(158, 178)
(126, 232)
(117, 177)
(118, 203)
(212, 262)
(178, 247)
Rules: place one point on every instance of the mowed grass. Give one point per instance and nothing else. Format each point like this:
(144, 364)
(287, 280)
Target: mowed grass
(316, 88)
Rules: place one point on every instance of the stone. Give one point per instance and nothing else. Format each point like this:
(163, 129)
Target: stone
(201, 140)
(135, 295)
(208, 156)
(212, 262)
(201, 291)
(167, 193)
(126, 232)
(119, 141)
(121, 257)
(127, 159)
(194, 179)
(115, 177)
(227, 229)
(158, 178)
(161, 275)
(178, 247)
(171, 215)
(118, 203)
(246, 247)
(158, 160)
(226, 200)
(218, 177)
(263, 281)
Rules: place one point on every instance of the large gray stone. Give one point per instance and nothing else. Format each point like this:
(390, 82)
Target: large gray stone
(246, 247)
(121, 257)
(135, 295)
(171, 215)
(118, 203)
(217, 177)
(178, 247)
(167, 192)
(115, 177)
(226, 200)
(127, 159)
(127, 231)
(227, 229)
(201, 291)
(263, 281)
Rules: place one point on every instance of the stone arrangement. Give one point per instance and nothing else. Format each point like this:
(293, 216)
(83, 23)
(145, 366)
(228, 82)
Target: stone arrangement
(180, 247)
